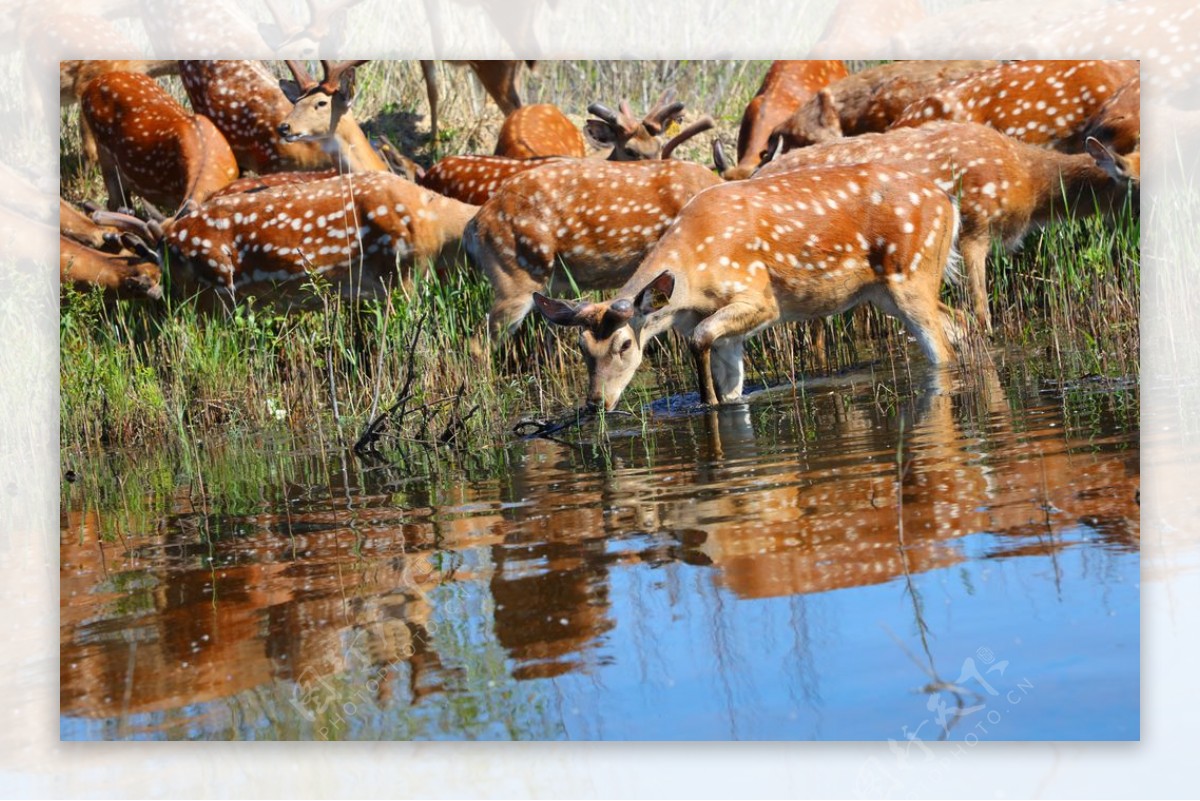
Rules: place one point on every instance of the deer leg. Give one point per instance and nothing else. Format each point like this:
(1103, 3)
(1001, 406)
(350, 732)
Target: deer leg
(112, 181)
(974, 253)
(708, 392)
(918, 307)
(733, 321)
(431, 90)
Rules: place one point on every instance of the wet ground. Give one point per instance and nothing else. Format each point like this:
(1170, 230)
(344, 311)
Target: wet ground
(854, 559)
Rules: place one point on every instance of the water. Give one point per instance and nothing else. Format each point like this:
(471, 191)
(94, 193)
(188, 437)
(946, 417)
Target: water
(863, 560)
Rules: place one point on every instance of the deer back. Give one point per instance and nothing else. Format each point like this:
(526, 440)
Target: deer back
(596, 217)
(351, 230)
(868, 101)
(1003, 185)
(474, 179)
(161, 152)
(1047, 103)
(537, 131)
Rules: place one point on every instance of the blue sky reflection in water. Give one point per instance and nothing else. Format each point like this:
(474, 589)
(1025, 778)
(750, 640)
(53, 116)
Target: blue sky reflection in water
(732, 576)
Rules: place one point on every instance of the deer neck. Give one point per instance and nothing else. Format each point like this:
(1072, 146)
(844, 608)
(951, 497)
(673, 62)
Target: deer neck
(1068, 185)
(351, 148)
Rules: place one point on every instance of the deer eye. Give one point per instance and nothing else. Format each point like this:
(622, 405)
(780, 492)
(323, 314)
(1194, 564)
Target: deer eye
(322, 103)
(626, 345)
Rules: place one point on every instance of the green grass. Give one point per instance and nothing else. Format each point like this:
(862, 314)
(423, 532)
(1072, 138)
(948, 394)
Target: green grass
(139, 374)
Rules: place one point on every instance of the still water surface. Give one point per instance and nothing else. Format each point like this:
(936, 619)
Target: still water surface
(859, 560)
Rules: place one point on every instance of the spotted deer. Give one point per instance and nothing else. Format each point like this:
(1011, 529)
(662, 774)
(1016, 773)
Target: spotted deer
(1005, 187)
(473, 179)
(1047, 103)
(866, 102)
(625, 138)
(786, 86)
(75, 75)
(358, 231)
(537, 131)
(1118, 123)
(793, 246)
(244, 100)
(149, 145)
(322, 114)
(587, 219)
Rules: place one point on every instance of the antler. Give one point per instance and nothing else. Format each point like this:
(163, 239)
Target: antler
(623, 122)
(300, 73)
(334, 71)
(149, 232)
(699, 126)
(666, 109)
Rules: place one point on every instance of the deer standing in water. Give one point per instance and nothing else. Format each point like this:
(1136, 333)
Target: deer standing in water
(795, 246)
(591, 219)
(1005, 187)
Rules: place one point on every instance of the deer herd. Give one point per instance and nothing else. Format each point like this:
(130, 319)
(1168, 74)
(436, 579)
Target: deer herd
(847, 188)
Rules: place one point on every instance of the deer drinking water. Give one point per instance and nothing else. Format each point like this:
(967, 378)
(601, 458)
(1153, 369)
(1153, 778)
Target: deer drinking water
(743, 256)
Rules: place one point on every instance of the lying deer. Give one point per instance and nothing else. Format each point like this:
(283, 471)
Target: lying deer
(1047, 103)
(1005, 187)
(786, 86)
(794, 246)
(593, 219)
(244, 100)
(473, 179)
(322, 114)
(868, 101)
(149, 145)
(537, 131)
(356, 231)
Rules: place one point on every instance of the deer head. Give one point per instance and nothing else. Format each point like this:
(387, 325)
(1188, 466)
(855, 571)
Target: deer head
(632, 140)
(611, 336)
(319, 105)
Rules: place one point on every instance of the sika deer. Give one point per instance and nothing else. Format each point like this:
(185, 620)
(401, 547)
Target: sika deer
(473, 179)
(537, 131)
(244, 101)
(1005, 187)
(795, 246)
(867, 101)
(1045, 103)
(786, 86)
(149, 145)
(354, 230)
(322, 114)
(595, 218)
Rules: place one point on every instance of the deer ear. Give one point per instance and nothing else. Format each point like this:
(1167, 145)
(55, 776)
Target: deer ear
(827, 109)
(291, 90)
(600, 133)
(656, 294)
(559, 312)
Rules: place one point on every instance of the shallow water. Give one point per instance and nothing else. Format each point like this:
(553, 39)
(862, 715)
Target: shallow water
(856, 560)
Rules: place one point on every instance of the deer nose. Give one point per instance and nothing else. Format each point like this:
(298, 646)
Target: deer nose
(284, 129)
